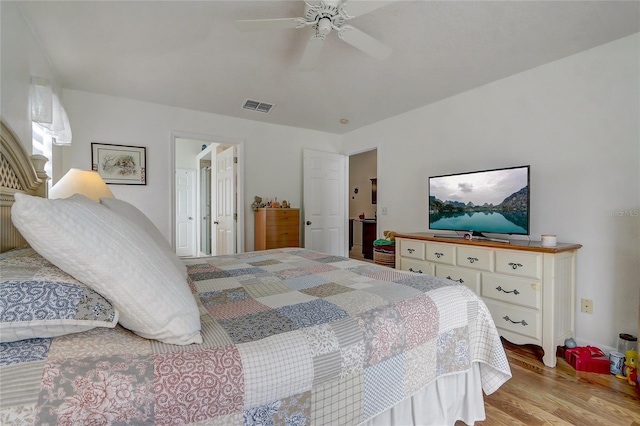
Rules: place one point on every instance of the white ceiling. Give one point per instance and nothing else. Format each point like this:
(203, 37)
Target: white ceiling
(189, 54)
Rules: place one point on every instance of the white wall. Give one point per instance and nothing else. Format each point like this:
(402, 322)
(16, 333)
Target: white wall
(575, 121)
(21, 58)
(272, 154)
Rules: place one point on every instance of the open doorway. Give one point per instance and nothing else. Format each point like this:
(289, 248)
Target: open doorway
(207, 204)
(363, 169)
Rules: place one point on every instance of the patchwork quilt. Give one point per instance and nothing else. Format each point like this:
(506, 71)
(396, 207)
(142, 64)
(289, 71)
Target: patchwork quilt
(291, 337)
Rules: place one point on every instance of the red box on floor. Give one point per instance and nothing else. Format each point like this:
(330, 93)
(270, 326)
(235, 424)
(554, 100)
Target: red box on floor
(588, 359)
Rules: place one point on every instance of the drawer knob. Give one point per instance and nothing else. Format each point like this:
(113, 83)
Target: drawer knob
(515, 265)
(461, 281)
(506, 318)
(438, 255)
(472, 259)
(514, 291)
(419, 271)
(411, 250)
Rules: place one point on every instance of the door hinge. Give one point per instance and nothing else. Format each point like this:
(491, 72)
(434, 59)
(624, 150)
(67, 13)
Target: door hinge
(235, 160)
(235, 217)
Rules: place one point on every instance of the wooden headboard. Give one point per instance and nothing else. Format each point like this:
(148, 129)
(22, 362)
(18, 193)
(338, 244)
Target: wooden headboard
(19, 172)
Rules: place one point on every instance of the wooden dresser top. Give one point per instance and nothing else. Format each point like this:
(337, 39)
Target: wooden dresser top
(525, 245)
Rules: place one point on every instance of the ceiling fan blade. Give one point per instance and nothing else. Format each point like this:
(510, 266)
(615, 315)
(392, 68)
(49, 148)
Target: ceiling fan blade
(311, 53)
(360, 7)
(364, 42)
(269, 24)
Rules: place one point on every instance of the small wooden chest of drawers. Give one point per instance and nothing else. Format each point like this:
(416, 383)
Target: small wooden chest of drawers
(276, 228)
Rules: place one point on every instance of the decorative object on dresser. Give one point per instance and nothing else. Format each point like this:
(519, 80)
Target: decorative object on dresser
(529, 288)
(276, 228)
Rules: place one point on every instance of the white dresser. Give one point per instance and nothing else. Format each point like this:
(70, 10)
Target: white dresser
(529, 289)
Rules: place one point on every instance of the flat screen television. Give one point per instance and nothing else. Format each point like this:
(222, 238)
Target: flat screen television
(492, 201)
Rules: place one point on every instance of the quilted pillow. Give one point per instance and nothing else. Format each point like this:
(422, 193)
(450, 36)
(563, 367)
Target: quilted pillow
(116, 258)
(37, 299)
(132, 213)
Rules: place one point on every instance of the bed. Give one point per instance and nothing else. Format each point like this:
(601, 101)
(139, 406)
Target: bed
(287, 336)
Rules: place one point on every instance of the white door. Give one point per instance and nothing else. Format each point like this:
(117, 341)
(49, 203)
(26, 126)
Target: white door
(185, 212)
(324, 200)
(225, 223)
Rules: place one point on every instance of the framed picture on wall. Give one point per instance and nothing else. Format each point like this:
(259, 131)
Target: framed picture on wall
(374, 190)
(120, 164)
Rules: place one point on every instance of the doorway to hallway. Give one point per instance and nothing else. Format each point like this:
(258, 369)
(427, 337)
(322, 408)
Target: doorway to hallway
(215, 222)
(363, 169)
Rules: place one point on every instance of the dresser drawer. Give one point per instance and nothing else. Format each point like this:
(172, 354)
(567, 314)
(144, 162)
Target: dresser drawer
(281, 244)
(469, 278)
(282, 217)
(418, 266)
(515, 291)
(441, 253)
(519, 264)
(519, 320)
(412, 248)
(283, 233)
(476, 258)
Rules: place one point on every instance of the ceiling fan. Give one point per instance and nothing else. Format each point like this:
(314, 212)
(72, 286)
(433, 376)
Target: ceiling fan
(325, 16)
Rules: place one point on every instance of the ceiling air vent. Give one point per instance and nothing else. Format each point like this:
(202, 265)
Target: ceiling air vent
(257, 106)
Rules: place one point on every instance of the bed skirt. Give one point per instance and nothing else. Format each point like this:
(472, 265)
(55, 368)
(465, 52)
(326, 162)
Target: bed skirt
(439, 404)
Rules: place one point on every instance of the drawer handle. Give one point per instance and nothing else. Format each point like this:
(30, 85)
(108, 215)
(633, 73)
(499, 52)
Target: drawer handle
(461, 281)
(411, 250)
(419, 271)
(506, 318)
(514, 291)
(285, 233)
(515, 265)
(438, 255)
(472, 259)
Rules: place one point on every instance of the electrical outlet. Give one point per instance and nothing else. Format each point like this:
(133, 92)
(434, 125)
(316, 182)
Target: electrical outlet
(587, 306)
(384, 210)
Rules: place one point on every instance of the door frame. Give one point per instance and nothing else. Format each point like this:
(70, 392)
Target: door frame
(239, 143)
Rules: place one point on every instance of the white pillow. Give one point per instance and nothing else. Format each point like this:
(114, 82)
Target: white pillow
(132, 213)
(117, 259)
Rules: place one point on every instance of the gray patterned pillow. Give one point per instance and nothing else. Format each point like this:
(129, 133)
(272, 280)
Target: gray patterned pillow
(39, 300)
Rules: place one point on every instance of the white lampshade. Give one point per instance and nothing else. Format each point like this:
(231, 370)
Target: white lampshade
(84, 182)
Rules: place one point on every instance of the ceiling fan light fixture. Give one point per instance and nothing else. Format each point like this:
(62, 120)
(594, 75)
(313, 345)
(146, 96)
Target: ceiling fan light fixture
(324, 26)
(324, 16)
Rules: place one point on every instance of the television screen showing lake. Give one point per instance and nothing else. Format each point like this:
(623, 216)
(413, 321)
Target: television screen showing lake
(492, 201)
(496, 222)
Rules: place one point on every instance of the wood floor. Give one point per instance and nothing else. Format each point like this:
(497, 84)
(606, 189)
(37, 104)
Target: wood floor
(539, 395)
(356, 253)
